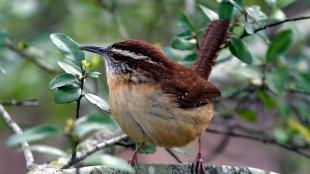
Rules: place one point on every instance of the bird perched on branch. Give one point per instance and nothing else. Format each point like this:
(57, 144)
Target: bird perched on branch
(157, 101)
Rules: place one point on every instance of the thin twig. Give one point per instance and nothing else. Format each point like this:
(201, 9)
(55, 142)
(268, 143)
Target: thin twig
(14, 126)
(75, 142)
(170, 152)
(30, 103)
(82, 155)
(275, 24)
(9, 43)
(264, 140)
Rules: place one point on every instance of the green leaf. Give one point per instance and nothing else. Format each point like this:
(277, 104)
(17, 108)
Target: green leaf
(277, 14)
(238, 30)
(190, 57)
(303, 110)
(283, 108)
(238, 3)
(279, 44)
(240, 50)
(3, 36)
(94, 122)
(148, 149)
(68, 47)
(168, 52)
(102, 104)
(185, 24)
(210, 14)
(33, 134)
(67, 94)
(276, 80)
(70, 68)
(49, 150)
(266, 99)
(182, 43)
(255, 18)
(225, 10)
(108, 161)
(248, 115)
(303, 81)
(280, 135)
(62, 80)
(94, 74)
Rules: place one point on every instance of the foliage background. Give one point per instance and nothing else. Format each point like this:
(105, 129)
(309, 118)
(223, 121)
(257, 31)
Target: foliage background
(30, 22)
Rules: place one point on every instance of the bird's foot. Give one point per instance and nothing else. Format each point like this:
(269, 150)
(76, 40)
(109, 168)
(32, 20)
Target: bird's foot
(197, 167)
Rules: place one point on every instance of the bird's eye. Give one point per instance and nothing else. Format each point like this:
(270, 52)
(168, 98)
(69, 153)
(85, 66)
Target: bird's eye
(117, 57)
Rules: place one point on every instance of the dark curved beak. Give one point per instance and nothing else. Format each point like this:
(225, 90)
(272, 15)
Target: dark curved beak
(94, 49)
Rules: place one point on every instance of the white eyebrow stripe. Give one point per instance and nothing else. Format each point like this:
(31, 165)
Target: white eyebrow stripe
(129, 54)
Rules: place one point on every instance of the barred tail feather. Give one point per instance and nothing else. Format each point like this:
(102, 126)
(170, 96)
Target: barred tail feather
(215, 36)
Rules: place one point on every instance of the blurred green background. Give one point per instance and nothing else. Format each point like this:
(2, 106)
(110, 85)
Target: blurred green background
(102, 22)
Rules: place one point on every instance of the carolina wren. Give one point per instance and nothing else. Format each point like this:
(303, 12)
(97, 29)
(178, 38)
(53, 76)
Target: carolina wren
(155, 100)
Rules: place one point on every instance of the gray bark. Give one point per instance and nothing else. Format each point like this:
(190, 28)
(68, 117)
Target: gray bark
(150, 169)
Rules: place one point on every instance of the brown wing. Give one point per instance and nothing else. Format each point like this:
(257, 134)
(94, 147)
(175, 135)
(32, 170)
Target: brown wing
(190, 89)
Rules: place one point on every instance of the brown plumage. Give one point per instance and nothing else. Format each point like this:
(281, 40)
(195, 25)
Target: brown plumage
(155, 100)
(214, 38)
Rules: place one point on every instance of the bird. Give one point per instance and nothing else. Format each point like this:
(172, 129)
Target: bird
(156, 100)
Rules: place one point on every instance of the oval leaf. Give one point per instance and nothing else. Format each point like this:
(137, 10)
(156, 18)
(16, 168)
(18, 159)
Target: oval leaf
(94, 122)
(210, 14)
(68, 47)
(238, 49)
(276, 80)
(109, 161)
(181, 43)
(49, 150)
(279, 44)
(94, 74)
(62, 80)
(248, 115)
(67, 94)
(70, 68)
(225, 10)
(185, 24)
(102, 104)
(33, 134)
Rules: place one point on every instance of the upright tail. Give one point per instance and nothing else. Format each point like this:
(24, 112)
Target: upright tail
(214, 38)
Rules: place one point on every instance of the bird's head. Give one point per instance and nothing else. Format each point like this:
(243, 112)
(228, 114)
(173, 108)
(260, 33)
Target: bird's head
(140, 61)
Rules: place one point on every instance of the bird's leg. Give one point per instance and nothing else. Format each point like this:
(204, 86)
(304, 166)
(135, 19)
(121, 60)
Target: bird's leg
(198, 167)
(134, 158)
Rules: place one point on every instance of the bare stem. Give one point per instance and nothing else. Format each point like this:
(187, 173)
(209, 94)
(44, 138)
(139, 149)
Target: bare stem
(82, 155)
(275, 24)
(174, 155)
(75, 141)
(30, 103)
(15, 128)
(9, 43)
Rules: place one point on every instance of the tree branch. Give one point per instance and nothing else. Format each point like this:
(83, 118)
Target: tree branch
(260, 139)
(15, 128)
(29, 57)
(170, 152)
(30, 103)
(275, 24)
(82, 155)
